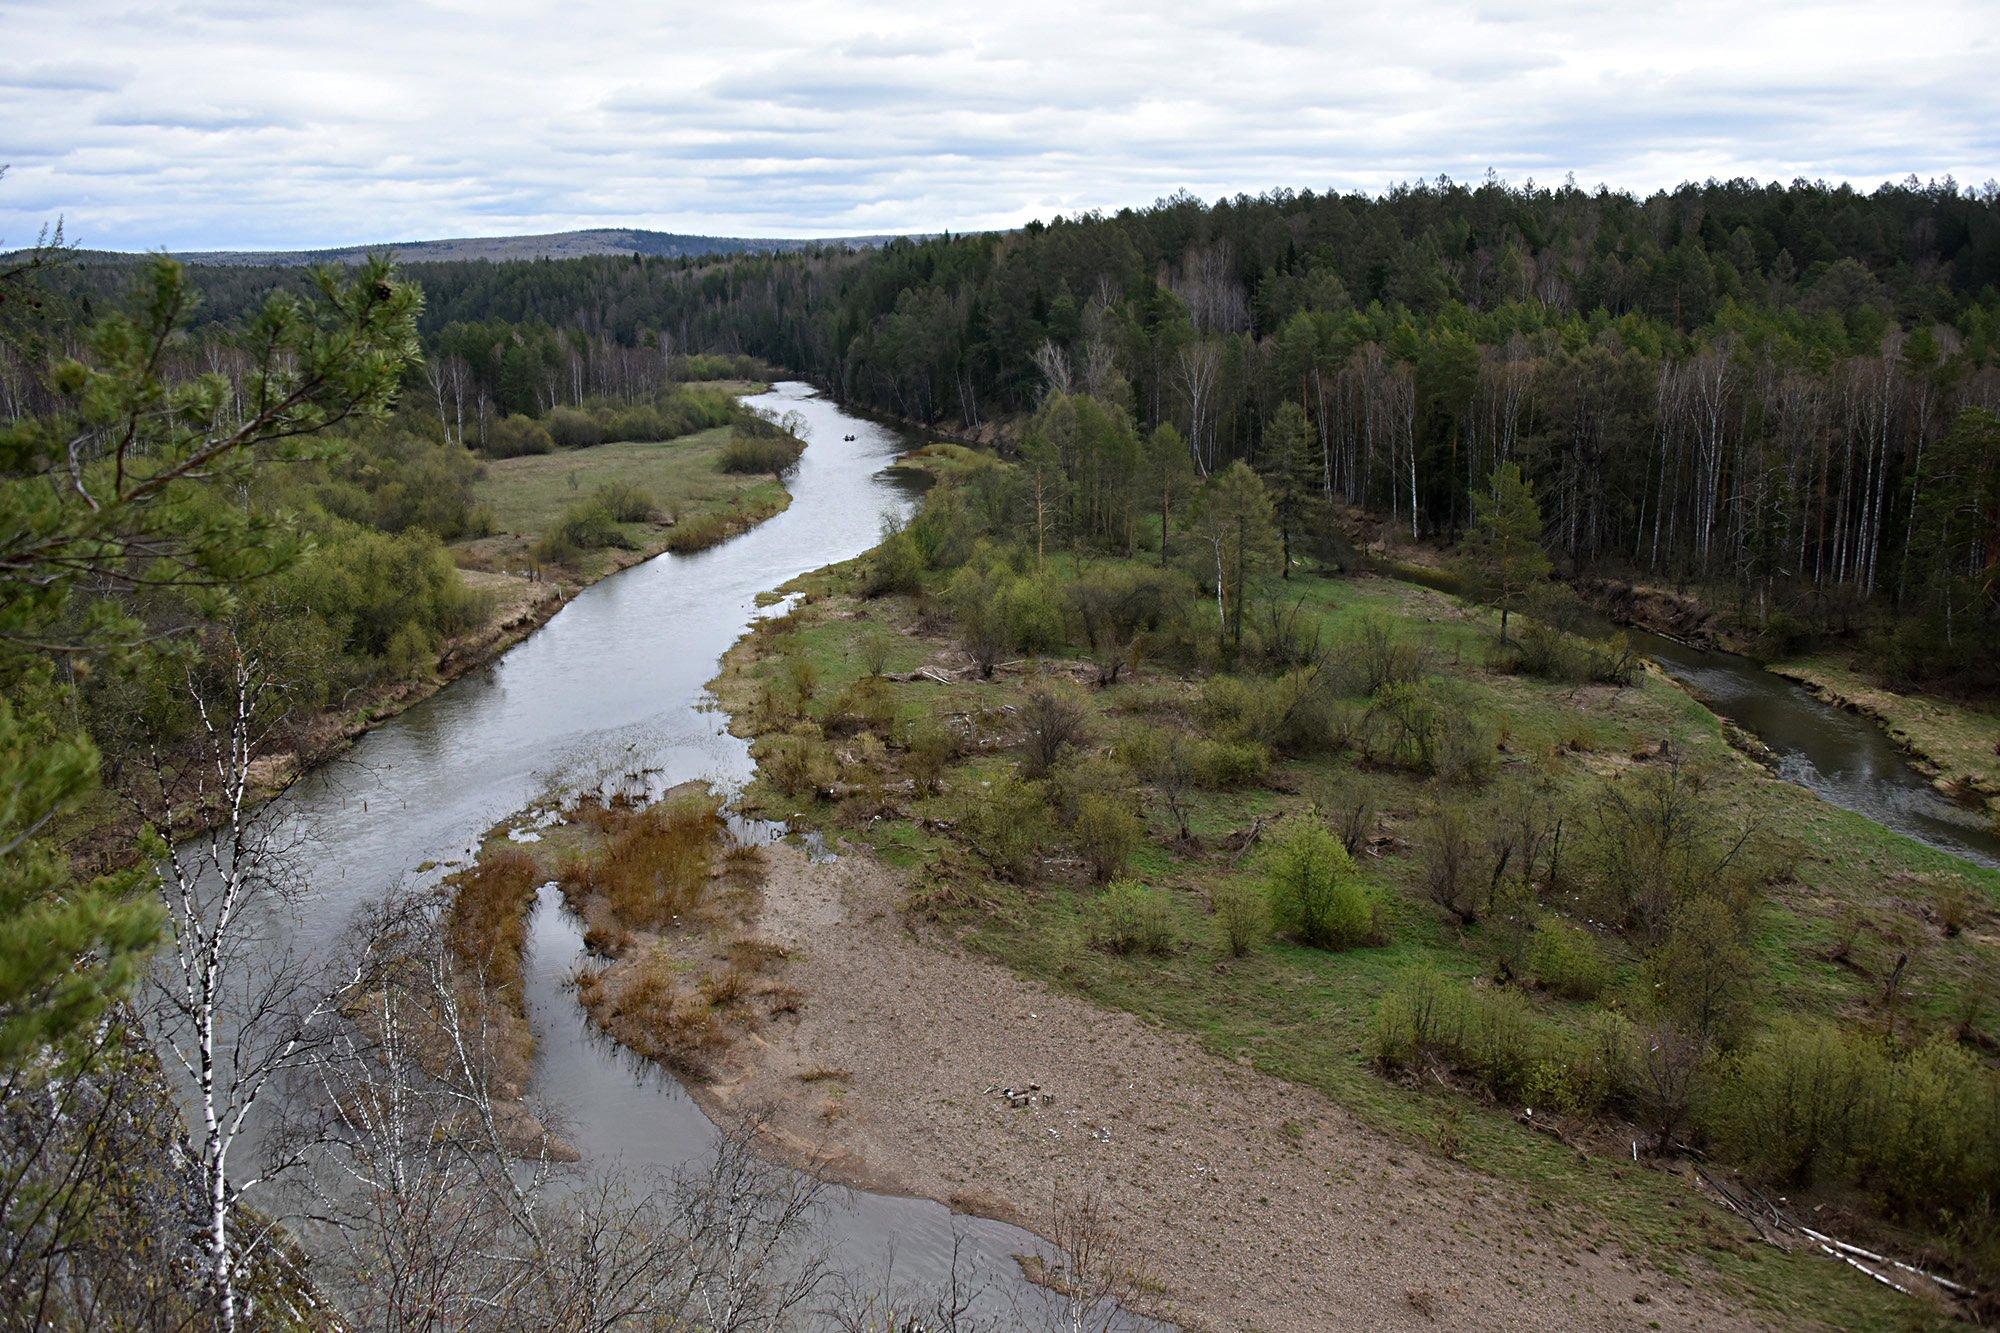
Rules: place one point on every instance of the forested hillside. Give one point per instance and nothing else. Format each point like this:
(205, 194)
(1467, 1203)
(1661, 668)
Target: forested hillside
(1753, 385)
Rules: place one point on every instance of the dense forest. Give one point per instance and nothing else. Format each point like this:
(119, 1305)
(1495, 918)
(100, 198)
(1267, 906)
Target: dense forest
(1759, 386)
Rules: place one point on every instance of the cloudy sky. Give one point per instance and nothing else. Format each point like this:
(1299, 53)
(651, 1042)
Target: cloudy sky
(242, 123)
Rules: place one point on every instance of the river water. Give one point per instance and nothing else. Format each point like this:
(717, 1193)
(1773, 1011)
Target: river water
(1847, 759)
(615, 683)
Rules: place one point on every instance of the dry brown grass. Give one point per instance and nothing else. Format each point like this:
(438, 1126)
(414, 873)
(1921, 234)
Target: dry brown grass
(651, 866)
(487, 924)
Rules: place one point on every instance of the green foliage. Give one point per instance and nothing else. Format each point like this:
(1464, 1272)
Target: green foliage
(68, 950)
(1493, 1036)
(1106, 829)
(1567, 959)
(1793, 1103)
(1128, 917)
(751, 454)
(625, 503)
(1316, 894)
(1006, 821)
(1243, 914)
(1501, 555)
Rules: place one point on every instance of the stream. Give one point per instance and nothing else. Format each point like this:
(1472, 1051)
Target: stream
(1844, 758)
(615, 684)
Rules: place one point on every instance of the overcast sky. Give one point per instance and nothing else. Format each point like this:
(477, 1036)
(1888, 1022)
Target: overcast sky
(240, 123)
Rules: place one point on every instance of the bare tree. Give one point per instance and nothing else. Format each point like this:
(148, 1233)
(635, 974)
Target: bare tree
(231, 1007)
(445, 1202)
(1198, 374)
(1053, 362)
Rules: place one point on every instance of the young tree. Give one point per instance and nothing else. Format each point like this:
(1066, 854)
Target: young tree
(1233, 523)
(1502, 557)
(1291, 475)
(1169, 477)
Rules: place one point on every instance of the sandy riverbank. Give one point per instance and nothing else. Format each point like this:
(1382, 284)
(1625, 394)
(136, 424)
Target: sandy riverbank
(1253, 1202)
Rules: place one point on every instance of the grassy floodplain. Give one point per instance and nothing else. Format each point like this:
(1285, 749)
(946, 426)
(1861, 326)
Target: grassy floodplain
(1852, 925)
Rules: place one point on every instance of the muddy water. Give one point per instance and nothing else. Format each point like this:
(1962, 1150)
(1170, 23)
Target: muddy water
(615, 684)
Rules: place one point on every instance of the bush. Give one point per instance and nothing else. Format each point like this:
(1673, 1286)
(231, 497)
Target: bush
(1378, 655)
(753, 454)
(1007, 823)
(1105, 830)
(1223, 765)
(1243, 914)
(1550, 654)
(1315, 893)
(511, 437)
(1054, 722)
(572, 428)
(1494, 1037)
(895, 566)
(584, 526)
(928, 747)
(1130, 918)
(799, 762)
(1568, 960)
(1450, 876)
(625, 502)
(1792, 1104)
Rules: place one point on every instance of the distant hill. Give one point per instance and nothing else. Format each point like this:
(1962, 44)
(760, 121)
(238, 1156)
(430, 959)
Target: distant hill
(554, 245)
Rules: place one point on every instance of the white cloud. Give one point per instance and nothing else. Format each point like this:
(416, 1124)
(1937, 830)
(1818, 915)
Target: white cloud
(230, 123)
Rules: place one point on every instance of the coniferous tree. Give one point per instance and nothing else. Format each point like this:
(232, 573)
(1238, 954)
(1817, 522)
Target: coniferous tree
(1501, 558)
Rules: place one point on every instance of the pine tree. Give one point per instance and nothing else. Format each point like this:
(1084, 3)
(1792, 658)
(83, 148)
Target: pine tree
(1290, 475)
(1501, 558)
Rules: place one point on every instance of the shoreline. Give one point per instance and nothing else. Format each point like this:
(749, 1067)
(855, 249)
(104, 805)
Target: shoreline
(1242, 1200)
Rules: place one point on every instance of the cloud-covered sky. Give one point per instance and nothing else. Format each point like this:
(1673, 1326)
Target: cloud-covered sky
(250, 123)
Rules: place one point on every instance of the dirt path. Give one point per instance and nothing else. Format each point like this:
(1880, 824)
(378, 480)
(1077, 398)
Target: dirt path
(1255, 1203)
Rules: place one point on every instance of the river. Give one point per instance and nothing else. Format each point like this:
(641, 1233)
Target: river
(1844, 758)
(616, 683)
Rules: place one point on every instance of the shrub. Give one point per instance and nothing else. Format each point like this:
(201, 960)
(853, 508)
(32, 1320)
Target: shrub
(1054, 722)
(1551, 654)
(1130, 918)
(1448, 871)
(1007, 823)
(1462, 754)
(1228, 764)
(799, 762)
(1793, 1103)
(1378, 655)
(1568, 960)
(1243, 914)
(572, 428)
(1405, 719)
(625, 502)
(895, 566)
(928, 747)
(511, 437)
(753, 454)
(1350, 807)
(1494, 1037)
(1106, 829)
(1315, 893)
(589, 526)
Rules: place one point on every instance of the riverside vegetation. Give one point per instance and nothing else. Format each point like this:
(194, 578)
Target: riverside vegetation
(1489, 882)
(1122, 702)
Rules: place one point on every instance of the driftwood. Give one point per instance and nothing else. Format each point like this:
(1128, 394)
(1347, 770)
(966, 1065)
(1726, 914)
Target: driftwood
(1749, 1203)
